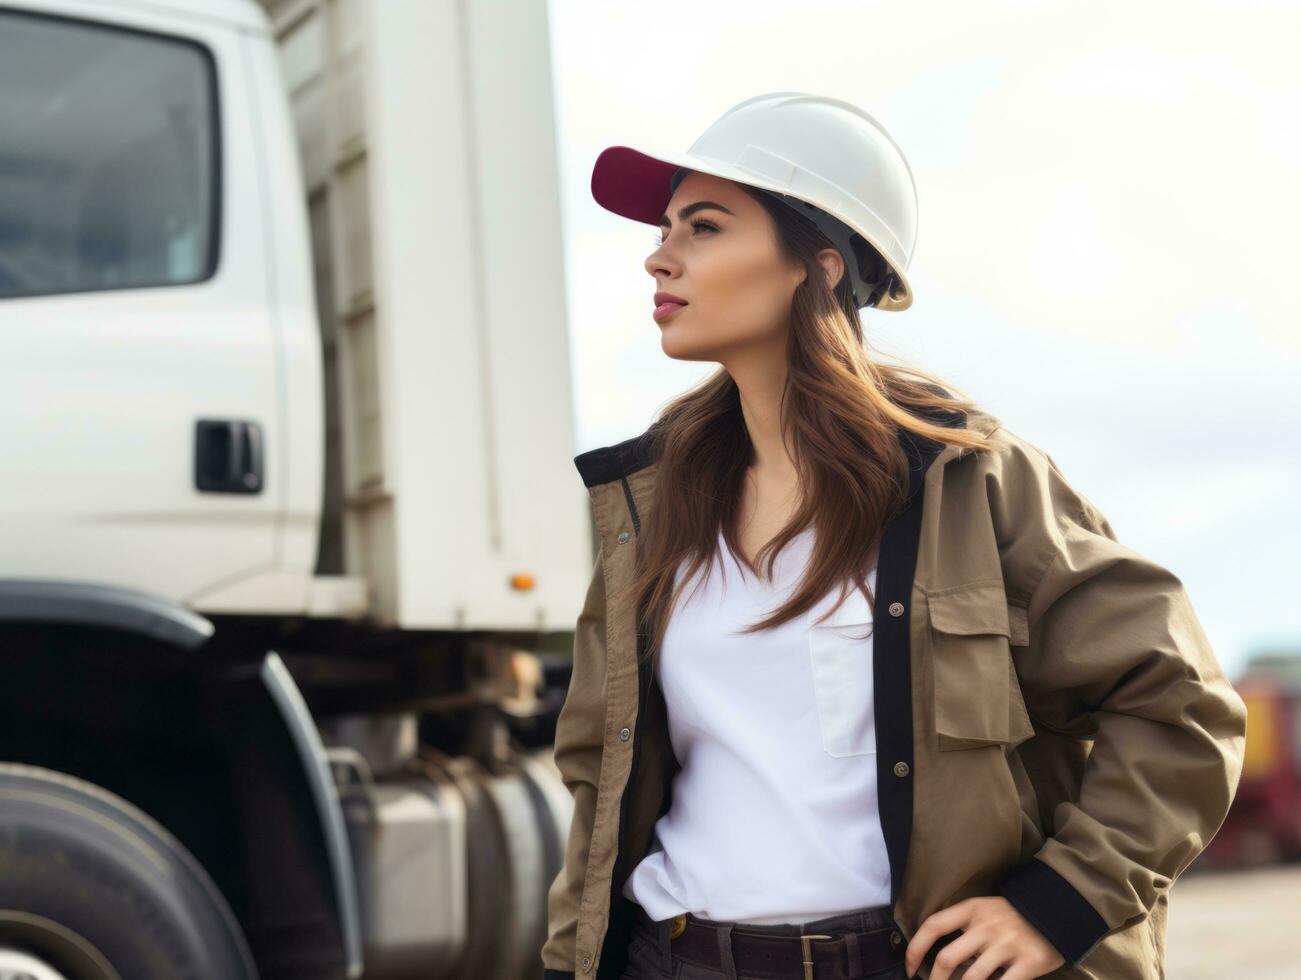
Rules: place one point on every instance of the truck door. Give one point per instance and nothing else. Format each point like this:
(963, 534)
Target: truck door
(138, 357)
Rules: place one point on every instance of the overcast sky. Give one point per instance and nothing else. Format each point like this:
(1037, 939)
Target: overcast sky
(1107, 254)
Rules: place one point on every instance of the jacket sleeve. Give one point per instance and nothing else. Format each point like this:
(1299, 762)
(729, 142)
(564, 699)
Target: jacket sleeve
(1116, 655)
(579, 739)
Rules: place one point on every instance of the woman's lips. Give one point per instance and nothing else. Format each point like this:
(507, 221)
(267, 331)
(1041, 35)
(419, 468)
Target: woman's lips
(666, 310)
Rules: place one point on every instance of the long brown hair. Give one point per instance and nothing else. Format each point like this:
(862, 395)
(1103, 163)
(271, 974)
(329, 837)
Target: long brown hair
(842, 410)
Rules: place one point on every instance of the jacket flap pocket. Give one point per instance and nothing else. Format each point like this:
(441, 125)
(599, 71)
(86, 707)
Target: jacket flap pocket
(1018, 620)
(969, 610)
(978, 700)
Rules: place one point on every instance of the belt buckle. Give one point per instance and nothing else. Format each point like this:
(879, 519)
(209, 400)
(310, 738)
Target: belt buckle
(679, 925)
(808, 953)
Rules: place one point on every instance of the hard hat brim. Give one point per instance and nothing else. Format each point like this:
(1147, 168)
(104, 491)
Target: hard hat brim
(635, 185)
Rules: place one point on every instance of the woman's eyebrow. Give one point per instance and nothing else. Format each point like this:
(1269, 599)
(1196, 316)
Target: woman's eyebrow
(691, 209)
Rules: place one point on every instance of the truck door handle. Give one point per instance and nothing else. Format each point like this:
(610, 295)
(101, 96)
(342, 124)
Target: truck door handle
(228, 456)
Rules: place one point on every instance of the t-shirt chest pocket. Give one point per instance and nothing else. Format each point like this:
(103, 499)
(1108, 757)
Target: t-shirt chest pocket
(840, 658)
(977, 698)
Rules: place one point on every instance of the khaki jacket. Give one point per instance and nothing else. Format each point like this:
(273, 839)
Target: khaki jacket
(1052, 724)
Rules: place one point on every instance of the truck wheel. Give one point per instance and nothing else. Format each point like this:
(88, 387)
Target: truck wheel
(92, 888)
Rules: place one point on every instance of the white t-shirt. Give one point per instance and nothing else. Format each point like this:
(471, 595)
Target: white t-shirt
(774, 814)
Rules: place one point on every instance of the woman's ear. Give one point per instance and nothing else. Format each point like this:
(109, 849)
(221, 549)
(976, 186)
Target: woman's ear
(833, 264)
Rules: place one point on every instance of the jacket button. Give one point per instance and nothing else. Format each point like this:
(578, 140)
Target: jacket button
(623, 537)
(586, 962)
(901, 769)
(624, 733)
(895, 937)
(896, 609)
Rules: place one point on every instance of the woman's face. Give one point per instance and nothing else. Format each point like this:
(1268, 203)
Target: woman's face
(719, 253)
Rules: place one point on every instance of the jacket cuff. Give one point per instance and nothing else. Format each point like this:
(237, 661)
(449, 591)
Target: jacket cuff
(548, 974)
(1052, 905)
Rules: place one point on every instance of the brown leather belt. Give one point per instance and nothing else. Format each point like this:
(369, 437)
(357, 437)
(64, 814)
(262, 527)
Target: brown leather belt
(814, 956)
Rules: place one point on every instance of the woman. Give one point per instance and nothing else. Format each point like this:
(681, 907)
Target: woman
(861, 687)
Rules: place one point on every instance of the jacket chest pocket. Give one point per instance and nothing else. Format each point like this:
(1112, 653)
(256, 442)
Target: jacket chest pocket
(977, 698)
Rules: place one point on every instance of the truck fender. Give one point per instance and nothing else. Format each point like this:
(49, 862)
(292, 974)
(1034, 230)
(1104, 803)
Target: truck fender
(316, 767)
(108, 606)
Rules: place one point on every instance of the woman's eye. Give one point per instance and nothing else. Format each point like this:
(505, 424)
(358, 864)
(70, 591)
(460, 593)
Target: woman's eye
(698, 223)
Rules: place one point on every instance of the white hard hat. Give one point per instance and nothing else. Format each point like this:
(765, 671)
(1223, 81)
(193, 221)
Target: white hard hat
(826, 158)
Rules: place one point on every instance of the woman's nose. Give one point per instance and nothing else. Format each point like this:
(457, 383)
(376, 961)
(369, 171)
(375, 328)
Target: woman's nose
(661, 261)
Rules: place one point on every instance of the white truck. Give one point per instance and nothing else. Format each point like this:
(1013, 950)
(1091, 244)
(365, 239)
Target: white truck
(291, 541)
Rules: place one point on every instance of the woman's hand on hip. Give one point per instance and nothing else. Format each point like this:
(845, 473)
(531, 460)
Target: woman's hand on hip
(994, 934)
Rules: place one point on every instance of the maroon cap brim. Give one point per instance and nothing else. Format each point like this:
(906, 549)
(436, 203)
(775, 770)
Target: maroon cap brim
(633, 184)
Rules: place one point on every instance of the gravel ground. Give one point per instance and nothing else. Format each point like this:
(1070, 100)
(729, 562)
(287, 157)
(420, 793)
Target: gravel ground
(1226, 925)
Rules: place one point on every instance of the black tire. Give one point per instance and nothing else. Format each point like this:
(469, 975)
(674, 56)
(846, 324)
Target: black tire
(88, 879)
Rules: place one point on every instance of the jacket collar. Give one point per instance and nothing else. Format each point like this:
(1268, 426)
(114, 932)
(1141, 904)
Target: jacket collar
(622, 459)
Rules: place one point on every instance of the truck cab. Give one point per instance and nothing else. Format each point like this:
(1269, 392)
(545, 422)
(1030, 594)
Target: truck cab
(292, 545)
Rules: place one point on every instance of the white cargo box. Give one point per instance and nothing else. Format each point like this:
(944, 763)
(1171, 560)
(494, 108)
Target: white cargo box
(426, 133)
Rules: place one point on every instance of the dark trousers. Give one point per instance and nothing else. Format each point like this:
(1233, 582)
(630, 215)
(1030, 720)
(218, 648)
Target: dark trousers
(651, 956)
